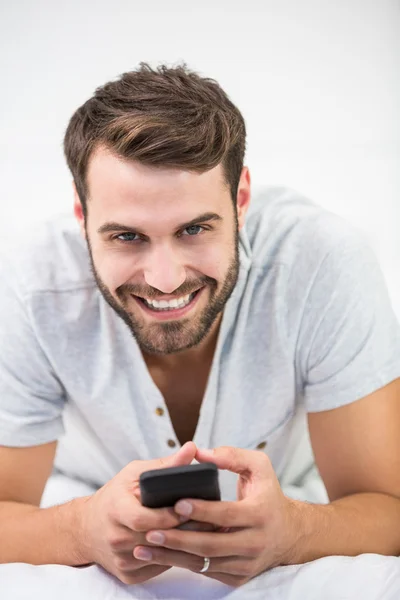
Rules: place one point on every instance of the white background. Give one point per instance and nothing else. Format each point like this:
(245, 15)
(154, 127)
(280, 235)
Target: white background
(317, 81)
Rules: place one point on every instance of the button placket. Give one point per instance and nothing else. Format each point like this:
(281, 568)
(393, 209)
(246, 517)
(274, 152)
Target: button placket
(165, 433)
(160, 412)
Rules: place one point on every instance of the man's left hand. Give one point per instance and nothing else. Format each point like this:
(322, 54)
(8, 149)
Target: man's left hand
(256, 532)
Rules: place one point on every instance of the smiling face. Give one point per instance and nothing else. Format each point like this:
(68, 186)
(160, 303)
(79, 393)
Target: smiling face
(158, 234)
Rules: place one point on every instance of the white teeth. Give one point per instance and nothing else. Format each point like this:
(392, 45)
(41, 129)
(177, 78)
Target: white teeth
(164, 304)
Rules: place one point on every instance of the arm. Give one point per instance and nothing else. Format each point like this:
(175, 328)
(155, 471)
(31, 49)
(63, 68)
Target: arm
(31, 404)
(103, 528)
(28, 533)
(40, 536)
(357, 451)
(349, 351)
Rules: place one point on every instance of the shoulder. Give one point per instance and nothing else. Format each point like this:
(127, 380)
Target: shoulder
(287, 228)
(48, 256)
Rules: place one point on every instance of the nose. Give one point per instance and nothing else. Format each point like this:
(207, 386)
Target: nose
(164, 270)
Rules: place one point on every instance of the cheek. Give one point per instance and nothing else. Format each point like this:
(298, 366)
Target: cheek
(116, 268)
(212, 263)
(205, 259)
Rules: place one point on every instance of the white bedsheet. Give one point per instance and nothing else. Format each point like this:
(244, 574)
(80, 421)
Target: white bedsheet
(368, 576)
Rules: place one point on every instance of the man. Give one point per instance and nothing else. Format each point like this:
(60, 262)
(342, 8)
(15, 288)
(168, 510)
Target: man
(186, 322)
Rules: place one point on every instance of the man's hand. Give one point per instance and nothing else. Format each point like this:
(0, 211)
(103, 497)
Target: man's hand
(114, 522)
(261, 524)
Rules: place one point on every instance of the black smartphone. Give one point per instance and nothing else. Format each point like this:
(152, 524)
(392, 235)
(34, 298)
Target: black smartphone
(164, 487)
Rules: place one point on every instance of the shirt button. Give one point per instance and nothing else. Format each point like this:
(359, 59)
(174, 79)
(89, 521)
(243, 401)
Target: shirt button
(261, 445)
(159, 411)
(171, 443)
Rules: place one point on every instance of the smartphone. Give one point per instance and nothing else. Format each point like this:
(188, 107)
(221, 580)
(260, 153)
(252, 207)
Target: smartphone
(164, 487)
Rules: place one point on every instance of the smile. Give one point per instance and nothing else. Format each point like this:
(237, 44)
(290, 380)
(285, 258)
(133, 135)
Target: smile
(169, 304)
(163, 309)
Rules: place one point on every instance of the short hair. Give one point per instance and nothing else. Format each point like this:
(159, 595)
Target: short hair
(167, 116)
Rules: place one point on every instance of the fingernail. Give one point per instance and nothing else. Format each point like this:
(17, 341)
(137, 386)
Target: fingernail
(156, 537)
(143, 554)
(184, 508)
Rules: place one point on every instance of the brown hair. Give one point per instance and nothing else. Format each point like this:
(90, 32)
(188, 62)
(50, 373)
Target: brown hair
(168, 117)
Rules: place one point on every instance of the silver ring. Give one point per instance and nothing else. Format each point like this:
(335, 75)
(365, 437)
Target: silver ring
(206, 565)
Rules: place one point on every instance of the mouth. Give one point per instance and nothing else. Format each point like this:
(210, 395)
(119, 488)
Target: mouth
(169, 312)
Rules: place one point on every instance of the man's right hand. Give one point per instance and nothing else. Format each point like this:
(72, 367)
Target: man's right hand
(114, 521)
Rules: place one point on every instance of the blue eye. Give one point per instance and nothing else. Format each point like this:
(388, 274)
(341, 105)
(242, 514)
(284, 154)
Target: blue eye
(194, 227)
(118, 237)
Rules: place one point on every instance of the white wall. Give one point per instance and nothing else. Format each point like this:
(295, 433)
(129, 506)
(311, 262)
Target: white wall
(317, 81)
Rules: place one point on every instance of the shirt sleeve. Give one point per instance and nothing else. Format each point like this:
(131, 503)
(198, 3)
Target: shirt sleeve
(31, 396)
(349, 338)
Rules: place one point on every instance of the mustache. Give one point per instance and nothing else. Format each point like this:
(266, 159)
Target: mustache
(153, 293)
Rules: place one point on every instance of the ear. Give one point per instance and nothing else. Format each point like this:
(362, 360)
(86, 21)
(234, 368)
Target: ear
(243, 196)
(78, 211)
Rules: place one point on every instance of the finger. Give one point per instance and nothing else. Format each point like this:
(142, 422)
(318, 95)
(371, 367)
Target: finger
(184, 456)
(223, 514)
(125, 562)
(141, 575)
(172, 558)
(197, 526)
(203, 543)
(233, 565)
(127, 539)
(240, 461)
(139, 518)
(123, 539)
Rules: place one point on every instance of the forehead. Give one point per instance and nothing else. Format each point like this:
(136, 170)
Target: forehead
(113, 181)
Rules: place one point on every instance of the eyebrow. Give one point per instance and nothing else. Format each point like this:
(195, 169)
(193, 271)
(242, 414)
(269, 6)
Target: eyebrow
(113, 226)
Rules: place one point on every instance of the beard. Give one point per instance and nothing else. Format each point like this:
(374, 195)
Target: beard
(169, 337)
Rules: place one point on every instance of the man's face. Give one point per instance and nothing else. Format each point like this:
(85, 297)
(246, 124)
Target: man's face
(143, 249)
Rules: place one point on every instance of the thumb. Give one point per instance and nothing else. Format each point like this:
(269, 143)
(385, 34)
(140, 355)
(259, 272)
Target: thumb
(237, 460)
(183, 456)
